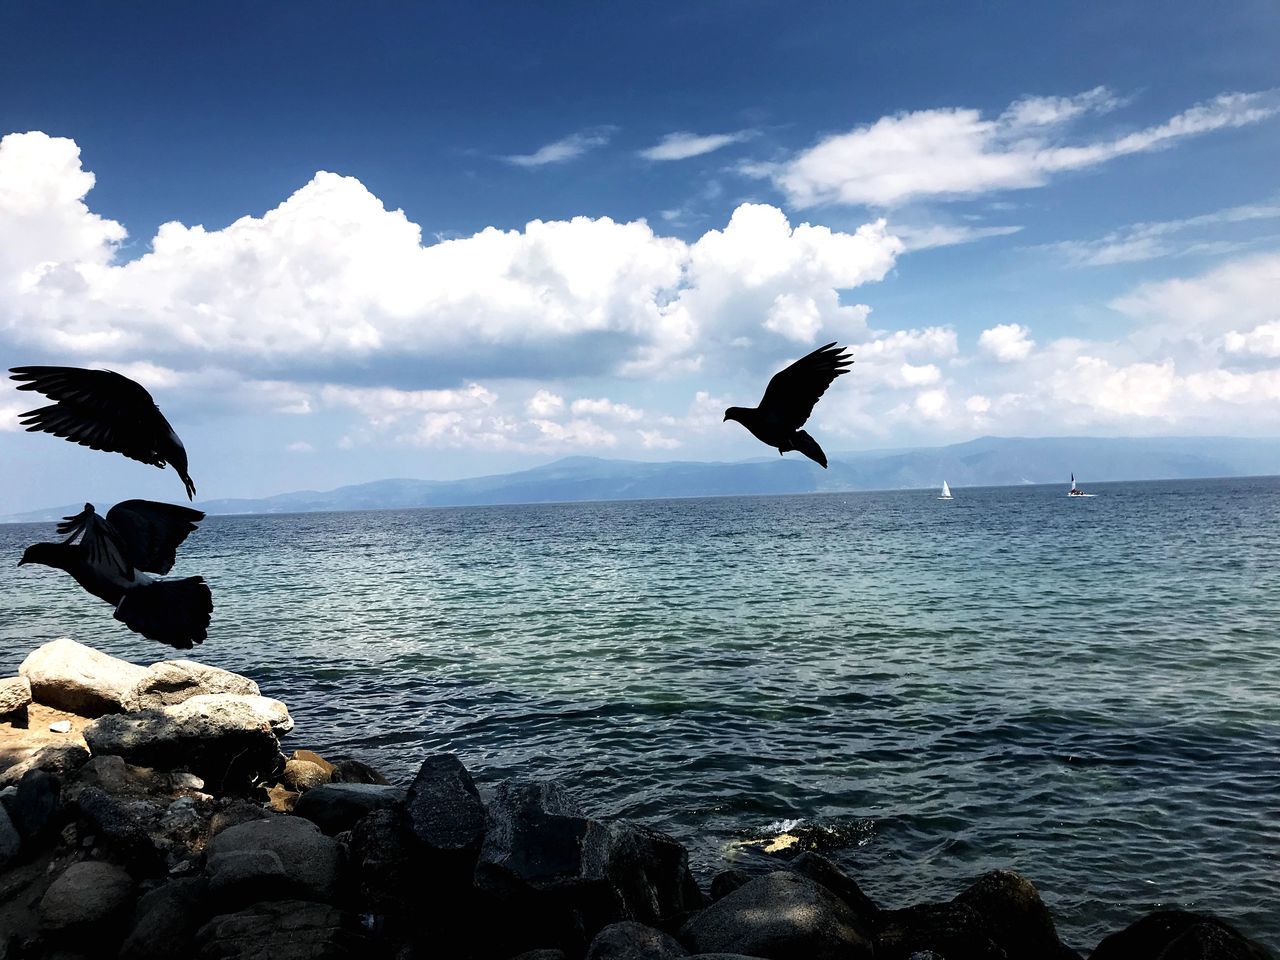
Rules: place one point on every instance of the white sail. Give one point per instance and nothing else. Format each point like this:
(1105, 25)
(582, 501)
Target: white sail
(1073, 481)
(946, 491)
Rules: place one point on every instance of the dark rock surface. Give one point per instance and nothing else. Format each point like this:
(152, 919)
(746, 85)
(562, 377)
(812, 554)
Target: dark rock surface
(954, 930)
(335, 807)
(826, 874)
(444, 808)
(284, 858)
(1179, 935)
(90, 898)
(1019, 921)
(780, 916)
(634, 941)
(165, 922)
(285, 930)
(33, 808)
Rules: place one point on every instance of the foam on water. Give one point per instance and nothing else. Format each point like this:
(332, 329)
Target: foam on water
(1088, 693)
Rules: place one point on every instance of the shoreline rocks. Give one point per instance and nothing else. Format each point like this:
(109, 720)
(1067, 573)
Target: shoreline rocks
(177, 828)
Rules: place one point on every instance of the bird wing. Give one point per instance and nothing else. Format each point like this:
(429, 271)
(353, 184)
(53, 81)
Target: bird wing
(151, 532)
(793, 392)
(95, 408)
(101, 545)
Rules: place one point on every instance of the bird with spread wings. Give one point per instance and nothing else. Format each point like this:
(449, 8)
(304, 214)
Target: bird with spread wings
(103, 410)
(121, 559)
(789, 400)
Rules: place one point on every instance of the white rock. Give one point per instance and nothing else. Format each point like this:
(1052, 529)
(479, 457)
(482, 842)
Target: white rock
(173, 681)
(60, 726)
(73, 677)
(15, 693)
(215, 705)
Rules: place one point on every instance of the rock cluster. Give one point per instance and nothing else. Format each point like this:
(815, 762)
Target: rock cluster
(175, 828)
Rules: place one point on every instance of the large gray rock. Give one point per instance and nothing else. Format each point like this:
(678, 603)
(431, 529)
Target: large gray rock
(224, 739)
(284, 930)
(826, 874)
(89, 898)
(173, 681)
(390, 872)
(532, 839)
(1018, 919)
(273, 712)
(444, 807)
(278, 859)
(10, 840)
(634, 941)
(165, 922)
(60, 759)
(33, 807)
(646, 872)
(334, 807)
(953, 930)
(15, 694)
(1179, 935)
(71, 676)
(127, 826)
(780, 916)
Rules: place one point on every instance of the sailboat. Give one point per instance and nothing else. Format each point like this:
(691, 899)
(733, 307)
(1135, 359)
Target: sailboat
(946, 492)
(1076, 491)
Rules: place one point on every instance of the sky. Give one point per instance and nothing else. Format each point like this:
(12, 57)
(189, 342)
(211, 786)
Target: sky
(346, 242)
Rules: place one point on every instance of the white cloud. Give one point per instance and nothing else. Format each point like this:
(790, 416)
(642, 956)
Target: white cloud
(655, 440)
(563, 150)
(1262, 341)
(386, 405)
(331, 285)
(576, 433)
(544, 403)
(300, 446)
(977, 404)
(919, 376)
(929, 236)
(682, 146)
(606, 408)
(956, 152)
(9, 413)
(931, 404)
(1007, 342)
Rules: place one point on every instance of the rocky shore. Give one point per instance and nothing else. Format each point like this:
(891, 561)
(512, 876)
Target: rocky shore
(149, 813)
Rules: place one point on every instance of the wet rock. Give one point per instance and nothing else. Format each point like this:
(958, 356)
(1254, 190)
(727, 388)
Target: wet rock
(822, 871)
(444, 808)
(60, 759)
(73, 677)
(174, 681)
(284, 930)
(33, 807)
(727, 881)
(10, 840)
(90, 898)
(782, 916)
(277, 859)
(353, 771)
(225, 740)
(335, 807)
(634, 941)
(1018, 919)
(15, 694)
(532, 839)
(1179, 935)
(647, 872)
(301, 775)
(165, 922)
(126, 826)
(955, 930)
(235, 813)
(385, 857)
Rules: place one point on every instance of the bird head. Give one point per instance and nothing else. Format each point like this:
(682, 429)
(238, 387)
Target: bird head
(45, 553)
(733, 413)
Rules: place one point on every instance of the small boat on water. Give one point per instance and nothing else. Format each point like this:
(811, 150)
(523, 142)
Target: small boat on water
(946, 492)
(1076, 491)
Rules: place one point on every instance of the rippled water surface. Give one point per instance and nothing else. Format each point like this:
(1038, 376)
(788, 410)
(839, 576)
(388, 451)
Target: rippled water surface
(1086, 691)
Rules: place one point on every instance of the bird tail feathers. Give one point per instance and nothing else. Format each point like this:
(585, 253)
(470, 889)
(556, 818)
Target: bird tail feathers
(175, 612)
(809, 447)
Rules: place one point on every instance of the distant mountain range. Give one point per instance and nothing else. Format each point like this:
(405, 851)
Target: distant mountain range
(988, 461)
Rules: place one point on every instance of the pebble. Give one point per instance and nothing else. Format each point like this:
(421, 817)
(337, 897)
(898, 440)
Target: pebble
(60, 726)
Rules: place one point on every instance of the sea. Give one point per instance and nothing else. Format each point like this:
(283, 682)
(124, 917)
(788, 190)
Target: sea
(1084, 690)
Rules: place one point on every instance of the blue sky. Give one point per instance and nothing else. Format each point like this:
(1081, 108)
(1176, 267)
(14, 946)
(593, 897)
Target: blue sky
(346, 242)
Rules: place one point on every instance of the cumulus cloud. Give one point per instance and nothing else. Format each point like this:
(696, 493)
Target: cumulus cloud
(682, 146)
(603, 407)
(957, 152)
(565, 149)
(331, 285)
(544, 403)
(1007, 342)
(1262, 341)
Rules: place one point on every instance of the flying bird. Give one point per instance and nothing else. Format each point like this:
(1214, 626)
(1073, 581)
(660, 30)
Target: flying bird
(789, 400)
(121, 558)
(105, 411)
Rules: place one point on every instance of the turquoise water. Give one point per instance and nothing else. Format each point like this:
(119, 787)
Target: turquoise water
(1087, 691)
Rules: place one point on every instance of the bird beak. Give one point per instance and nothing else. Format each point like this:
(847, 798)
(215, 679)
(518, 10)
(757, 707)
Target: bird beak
(22, 561)
(726, 418)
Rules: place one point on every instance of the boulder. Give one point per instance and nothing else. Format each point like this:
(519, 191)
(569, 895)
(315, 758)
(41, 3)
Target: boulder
(1179, 935)
(444, 808)
(547, 953)
(222, 739)
(955, 930)
(173, 681)
(647, 872)
(727, 881)
(15, 694)
(235, 813)
(310, 756)
(1018, 919)
(284, 930)
(780, 916)
(335, 807)
(283, 858)
(532, 839)
(165, 922)
(301, 775)
(822, 871)
(90, 898)
(385, 857)
(275, 713)
(354, 771)
(10, 840)
(127, 826)
(34, 806)
(73, 677)
(634, 941)
(60, 759)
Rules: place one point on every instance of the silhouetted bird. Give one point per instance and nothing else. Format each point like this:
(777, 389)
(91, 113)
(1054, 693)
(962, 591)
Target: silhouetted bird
(790, 398)
(117, 559)
(105, 411)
